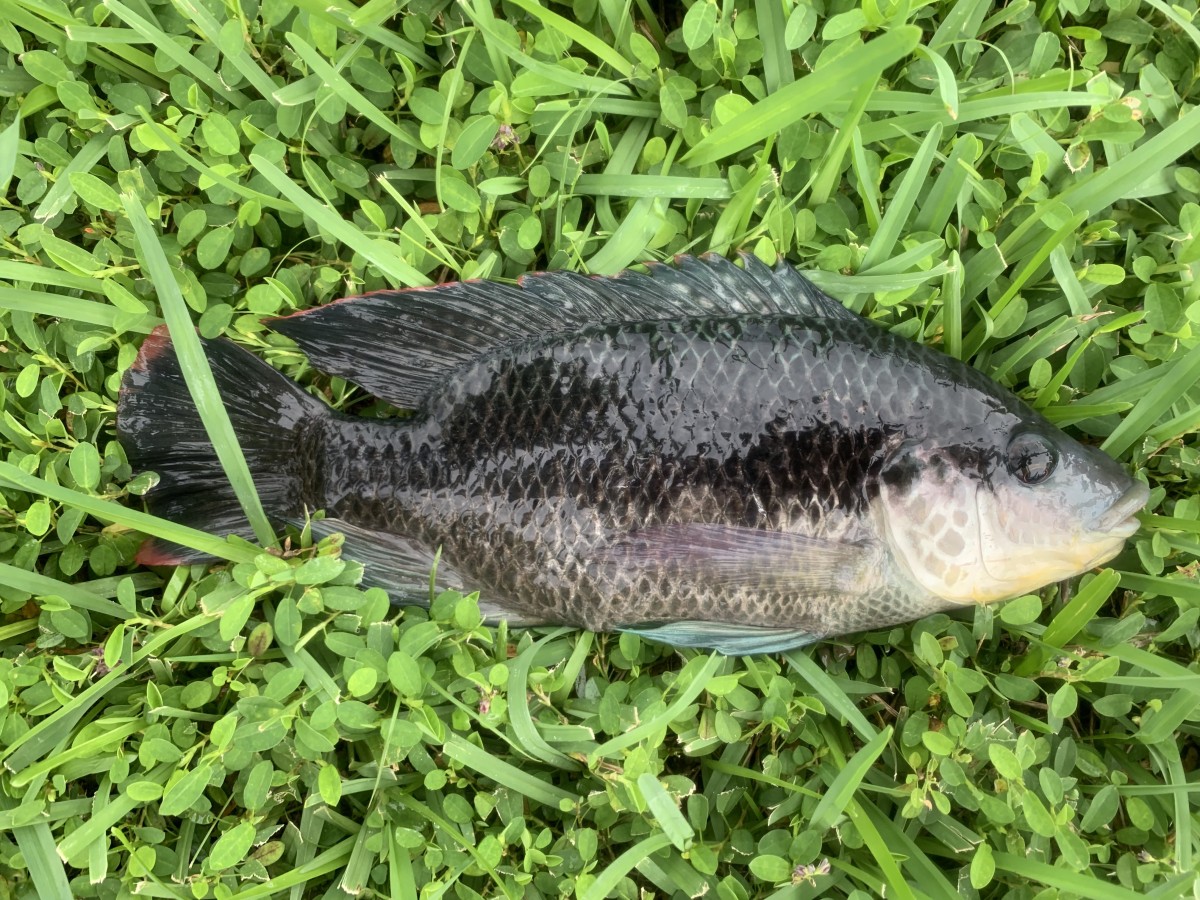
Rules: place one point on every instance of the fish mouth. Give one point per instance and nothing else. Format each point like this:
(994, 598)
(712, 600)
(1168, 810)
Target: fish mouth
(1119, 520)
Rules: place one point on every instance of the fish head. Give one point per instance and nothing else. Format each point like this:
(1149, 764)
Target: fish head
(997, 512)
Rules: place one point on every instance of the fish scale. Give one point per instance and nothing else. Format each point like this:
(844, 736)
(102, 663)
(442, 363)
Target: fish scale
(763, 471)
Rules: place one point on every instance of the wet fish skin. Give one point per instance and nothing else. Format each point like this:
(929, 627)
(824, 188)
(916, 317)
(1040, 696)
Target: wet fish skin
(759, 475)
(534, 466)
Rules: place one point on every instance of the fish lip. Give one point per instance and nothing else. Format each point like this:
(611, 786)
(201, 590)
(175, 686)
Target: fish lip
(1118, 520)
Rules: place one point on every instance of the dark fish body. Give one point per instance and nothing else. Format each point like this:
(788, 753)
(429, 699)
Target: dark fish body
(707, 455)
(538, 466)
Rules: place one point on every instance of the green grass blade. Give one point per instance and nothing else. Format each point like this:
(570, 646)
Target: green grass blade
(630, 238)
(316, 676)
(961, 22)
(979, 334)
(210, 28)
(829, 175)
(1170, 888)
(952, 307)
(1176, 427)
(881, 851)
(864, 181)
(150, 30)
(736, 215)
(104, 35)
(447, 828)
(637, 109)
(505, 774)
(973, 110)
(1034, 140)
(777, 58)
(568, 80)
(947, 85)
(112, 737)
(1074, 413)
(89, 311)
(527, 736)
(43, 586)
(12, 270)
(666, 811)
(1071, 619)
(672, 186)
(1181, 377)
(382, 255)
(1179, 587)
(792, 103)
(1023, 870)
(1069, 282)
(905, 200)
(1170, 763)
(9, 144)
(196, 372)
(939, 200)
(44, 737)
(1160, 725)
(841, 285)
(74, 845)
(1123, 177)
(47, 736)
(889, 839)
(672, 874)
(1167, 673)
(93, 151)
(849, 777)
(831, 695)
(295, 878)
(579, 35)
(46, 871)
(690, 682)
(612, 874)
(107, 511)
(331, 77)
(122, 60)
(220, 178)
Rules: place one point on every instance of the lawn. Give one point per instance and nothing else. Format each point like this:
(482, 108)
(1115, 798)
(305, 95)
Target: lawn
(1016, 184)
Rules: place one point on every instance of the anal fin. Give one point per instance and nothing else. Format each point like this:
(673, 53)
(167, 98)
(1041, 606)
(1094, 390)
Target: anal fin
(397, 564)
(402, 566)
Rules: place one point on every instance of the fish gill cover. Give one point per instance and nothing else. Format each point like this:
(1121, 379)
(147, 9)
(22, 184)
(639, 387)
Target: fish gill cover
(1011, 186)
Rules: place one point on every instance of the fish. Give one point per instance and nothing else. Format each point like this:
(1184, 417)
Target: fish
(701, 453)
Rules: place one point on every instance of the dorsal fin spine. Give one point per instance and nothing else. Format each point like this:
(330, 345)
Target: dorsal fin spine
(398, 344)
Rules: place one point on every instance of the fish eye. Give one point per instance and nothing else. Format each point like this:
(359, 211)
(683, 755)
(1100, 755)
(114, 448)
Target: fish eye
(1031, 458)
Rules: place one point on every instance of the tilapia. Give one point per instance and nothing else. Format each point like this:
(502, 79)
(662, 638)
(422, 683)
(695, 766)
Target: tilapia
(704, 454)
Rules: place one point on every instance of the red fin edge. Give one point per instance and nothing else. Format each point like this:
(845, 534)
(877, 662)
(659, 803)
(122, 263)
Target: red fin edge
(151, 553)
(155, 343)
(414, 289)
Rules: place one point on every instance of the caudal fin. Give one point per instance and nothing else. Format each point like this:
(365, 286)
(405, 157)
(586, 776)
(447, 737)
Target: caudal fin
(278, 426)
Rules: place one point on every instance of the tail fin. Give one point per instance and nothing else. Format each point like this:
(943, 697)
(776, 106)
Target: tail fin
(277, 424)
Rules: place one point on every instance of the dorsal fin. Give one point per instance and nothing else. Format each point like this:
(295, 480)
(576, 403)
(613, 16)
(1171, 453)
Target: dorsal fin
(398, 344)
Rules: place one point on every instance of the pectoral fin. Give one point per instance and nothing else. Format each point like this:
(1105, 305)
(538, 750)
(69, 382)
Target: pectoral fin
(756, 558)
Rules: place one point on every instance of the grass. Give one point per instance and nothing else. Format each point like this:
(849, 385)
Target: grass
(1016, 184)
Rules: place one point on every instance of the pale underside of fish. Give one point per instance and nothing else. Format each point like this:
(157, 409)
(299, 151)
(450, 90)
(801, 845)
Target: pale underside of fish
(705, 454)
